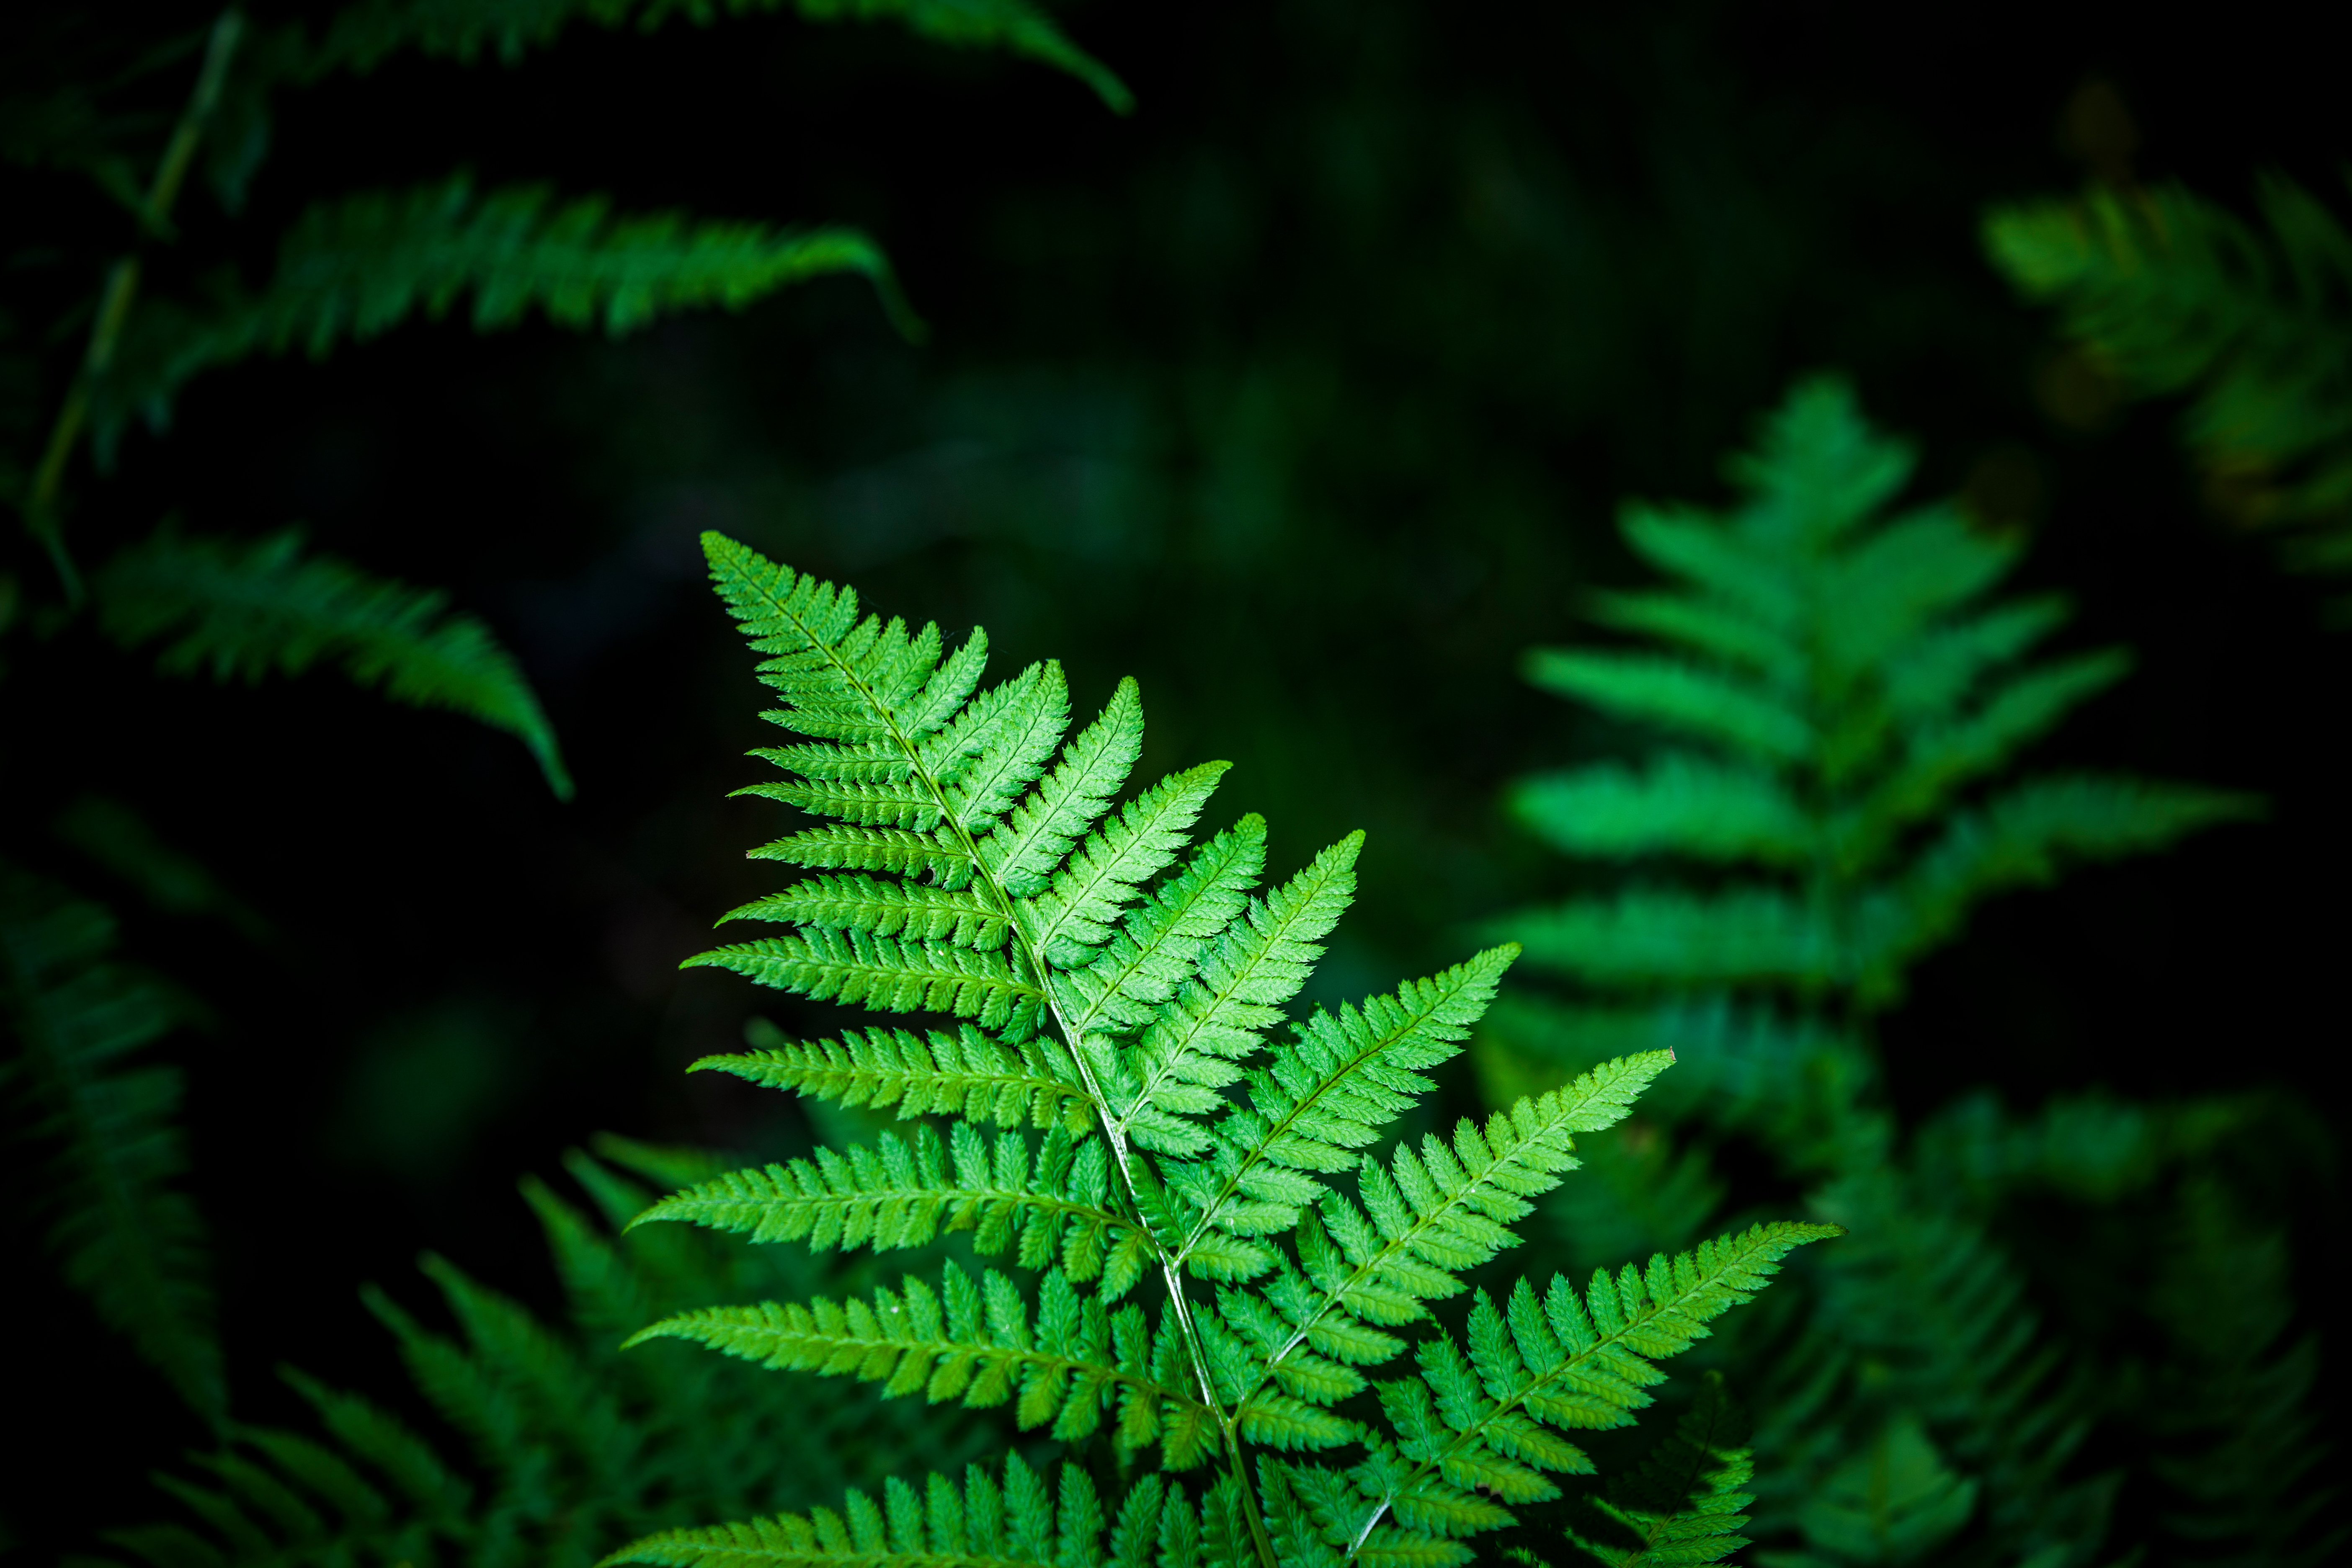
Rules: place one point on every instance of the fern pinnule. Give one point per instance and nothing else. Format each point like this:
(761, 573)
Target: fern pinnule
(1127, 989)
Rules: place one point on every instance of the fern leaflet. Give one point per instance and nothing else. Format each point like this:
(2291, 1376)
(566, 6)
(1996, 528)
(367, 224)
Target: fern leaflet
(356, 267)
(247, 611)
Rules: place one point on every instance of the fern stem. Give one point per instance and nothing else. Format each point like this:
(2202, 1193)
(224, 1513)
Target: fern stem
(1023, 943)
(121, 288)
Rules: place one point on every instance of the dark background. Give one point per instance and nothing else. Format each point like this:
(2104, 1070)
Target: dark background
(1305, 396)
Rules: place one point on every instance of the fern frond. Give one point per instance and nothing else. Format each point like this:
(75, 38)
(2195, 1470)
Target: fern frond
(130, 1241)
(902, 1192)
(356, 267)
(1851, 682)
(1077, 1361)
(363, 35)
(1144, 979)
(1684, 1505)
(1020, 1520)
(967, 1074)
(246, 611)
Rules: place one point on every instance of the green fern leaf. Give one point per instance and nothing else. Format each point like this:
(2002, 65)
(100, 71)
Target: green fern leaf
(1431, 1214)
(363, 35)
(130, 1241)
(1685, 1505)
(1161, 942)
(1677, 695)
(245, 611)
(885, 909)
(1130, 982)
(1264, 957)
(1681, 805)
(1568, 1362)
(1076, 1363)
(967, 1073)
(892, 974)
(903, 1193)
(1328, 1096)
(356, 267)
(1020, 1520)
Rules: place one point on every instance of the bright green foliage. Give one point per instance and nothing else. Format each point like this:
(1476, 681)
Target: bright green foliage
(574, 1442)
(1126, 990)
(106, 1125)
(1020, 1520)
(1839, 695)
(357, 266)
(1847, 682)
(243, 611)
(1683, 1506)
(2175, 294)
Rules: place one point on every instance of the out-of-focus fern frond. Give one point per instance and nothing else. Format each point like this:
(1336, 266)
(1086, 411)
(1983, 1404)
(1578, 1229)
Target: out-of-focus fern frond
(1684, 1505)
(355, 268)
(362, 34)
(2174, 293)
(243, 611)
(2242, 1458)
(108, 1127)
(1848, 684)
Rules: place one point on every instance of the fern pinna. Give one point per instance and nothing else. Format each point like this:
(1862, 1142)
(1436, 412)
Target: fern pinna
(1836, 689)
(1188, 1295)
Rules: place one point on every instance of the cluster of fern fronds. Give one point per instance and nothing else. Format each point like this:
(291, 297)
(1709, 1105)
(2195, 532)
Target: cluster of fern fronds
(1845, 698)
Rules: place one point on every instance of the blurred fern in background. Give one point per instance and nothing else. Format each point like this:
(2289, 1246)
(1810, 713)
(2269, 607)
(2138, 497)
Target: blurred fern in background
(2175, 295)
(1847, 698)
(568, 1444)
